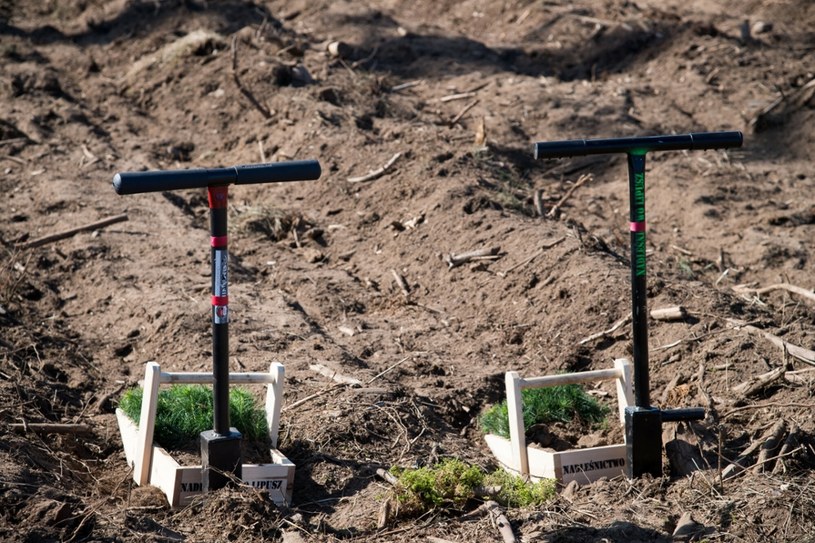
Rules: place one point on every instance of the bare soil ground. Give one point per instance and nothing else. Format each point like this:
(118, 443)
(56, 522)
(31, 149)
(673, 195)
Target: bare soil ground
(93, 87)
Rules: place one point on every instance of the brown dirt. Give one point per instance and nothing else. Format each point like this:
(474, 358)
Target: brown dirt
(93, 87)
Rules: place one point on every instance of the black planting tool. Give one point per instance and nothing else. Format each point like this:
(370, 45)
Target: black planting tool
(220, 447)
(643, 422)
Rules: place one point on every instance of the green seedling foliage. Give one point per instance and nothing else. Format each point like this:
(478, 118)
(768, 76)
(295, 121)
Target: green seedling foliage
(452, 484)
(184, 411)
(545, 405)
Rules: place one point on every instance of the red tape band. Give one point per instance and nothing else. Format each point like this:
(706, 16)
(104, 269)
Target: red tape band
(217, 196)
(220, 300)
(218, 241)
(637, 226)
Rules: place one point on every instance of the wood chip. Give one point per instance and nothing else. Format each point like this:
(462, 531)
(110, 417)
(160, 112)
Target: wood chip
(331, 374)
(675, 313)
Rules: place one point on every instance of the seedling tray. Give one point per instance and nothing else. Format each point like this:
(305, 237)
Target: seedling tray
(581, 465)
(155, 466)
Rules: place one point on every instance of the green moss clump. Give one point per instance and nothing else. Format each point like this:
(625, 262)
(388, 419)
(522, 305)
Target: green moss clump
(184, 411)
(541, 405)
(515, 492)
(452, 484)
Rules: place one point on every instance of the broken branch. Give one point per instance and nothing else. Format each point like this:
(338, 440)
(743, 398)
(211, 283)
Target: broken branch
(387, 476)
(675, 313)
(501, 521)
(804, 355)
(786, 448)
(738, 464)
(490, 253)
(769, 446)
(759, 382)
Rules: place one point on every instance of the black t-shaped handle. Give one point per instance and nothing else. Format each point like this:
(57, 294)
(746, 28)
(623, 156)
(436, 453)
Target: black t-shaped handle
(638, 145)
(161, 180)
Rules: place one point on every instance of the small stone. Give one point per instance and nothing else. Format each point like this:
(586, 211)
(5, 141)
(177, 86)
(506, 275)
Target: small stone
(300, 74)
(762, 27)
(570, 491)
(293, 537)
(313, 256)
(687, 529)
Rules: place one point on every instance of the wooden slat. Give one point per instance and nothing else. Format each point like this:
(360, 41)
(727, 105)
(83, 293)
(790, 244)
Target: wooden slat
(625, 390)
(570, 378)
(147, 421)
(274, 400)
(204, 378)
(517, 433)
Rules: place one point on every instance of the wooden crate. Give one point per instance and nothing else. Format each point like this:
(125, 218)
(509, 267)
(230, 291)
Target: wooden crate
(581, 465)
(155, 466)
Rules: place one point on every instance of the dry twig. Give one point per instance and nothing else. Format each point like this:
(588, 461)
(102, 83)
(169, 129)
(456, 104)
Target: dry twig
(407, 85)
(51, 428)
(768, 404)
(738, 465)
(604, 333)
(533, 257)
(72, 232)
(780, 110)
(386, 370)
(243, 90)
(463, 112)
(310, 397)
(376, 174)
(778, 286)
(580, 181)
(400, 281)
(457, 96)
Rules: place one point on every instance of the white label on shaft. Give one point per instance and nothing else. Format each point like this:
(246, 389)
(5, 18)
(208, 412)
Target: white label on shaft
(221, 273)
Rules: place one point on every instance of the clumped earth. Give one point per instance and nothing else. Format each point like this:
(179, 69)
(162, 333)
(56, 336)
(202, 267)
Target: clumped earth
(93, 87)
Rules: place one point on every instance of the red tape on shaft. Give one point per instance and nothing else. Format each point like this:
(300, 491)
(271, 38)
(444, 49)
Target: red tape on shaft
(220, 300)
(637, 226)
(218, 241)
